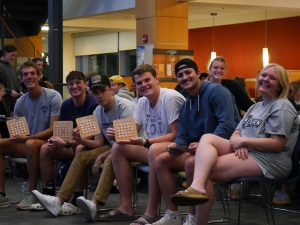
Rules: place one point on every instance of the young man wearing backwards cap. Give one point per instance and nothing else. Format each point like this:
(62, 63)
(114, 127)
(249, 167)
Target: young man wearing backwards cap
(120, 88)
(110, 108)
(209, 108)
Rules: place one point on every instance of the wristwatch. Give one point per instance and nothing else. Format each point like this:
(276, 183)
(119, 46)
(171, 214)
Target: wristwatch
(147, 143)
(68, 145)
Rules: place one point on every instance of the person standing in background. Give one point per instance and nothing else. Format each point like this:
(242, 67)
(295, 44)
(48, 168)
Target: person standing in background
(43, 81)
(8, 75)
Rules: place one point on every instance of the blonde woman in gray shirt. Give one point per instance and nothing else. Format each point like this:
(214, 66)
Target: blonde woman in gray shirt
(261, 145)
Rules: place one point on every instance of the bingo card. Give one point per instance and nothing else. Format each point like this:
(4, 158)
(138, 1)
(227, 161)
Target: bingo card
(125, 129)
(88, 125)
(17, 126)
(63, 129)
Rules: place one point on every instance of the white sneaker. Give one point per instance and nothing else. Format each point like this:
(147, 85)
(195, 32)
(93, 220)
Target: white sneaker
(69, 209)
(170, 218)
(189, 220)
(50, 203)
(4, 201)
(26, 202)
(88, 208)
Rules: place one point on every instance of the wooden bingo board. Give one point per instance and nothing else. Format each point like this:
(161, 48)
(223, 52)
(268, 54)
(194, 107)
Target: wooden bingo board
(63, 129)
(17, 127)
(88, 126)
(125, 129)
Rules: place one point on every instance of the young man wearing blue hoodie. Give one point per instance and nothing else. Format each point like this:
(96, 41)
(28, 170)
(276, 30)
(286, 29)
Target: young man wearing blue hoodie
(209, 108)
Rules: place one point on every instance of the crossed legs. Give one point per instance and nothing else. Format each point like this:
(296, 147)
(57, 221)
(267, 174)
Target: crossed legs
(216, 161)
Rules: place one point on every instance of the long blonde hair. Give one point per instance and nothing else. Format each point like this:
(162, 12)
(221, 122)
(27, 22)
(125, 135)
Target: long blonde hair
(282, 78)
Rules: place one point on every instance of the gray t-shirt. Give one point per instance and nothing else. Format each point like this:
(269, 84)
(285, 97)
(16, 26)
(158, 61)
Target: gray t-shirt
(276, 118)
(122, 108)
(156, 120)
(38, 111)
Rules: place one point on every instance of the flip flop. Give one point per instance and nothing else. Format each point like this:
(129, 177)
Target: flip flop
(148, 220)
(118, 216)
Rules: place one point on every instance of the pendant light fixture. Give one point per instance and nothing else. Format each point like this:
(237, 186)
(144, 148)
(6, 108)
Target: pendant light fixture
(265, 52)
(213, 54)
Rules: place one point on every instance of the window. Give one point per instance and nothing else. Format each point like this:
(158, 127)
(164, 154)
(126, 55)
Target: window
(108, 64)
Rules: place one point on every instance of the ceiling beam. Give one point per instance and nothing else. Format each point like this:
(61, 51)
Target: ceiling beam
(293, 4)
(100, 24)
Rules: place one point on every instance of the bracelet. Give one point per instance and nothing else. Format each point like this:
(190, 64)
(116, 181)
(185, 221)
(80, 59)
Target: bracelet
(147, 143)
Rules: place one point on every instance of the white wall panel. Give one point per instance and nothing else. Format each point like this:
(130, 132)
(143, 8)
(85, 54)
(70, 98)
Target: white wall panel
(103, 43)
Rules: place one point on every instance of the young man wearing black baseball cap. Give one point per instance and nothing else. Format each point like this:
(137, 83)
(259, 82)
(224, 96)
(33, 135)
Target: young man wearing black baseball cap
(157, 113)
(110, 108)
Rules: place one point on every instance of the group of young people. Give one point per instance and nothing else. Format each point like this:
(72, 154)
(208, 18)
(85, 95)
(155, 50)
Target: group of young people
(206, 124)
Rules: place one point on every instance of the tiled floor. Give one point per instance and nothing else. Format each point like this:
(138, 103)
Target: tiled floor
(252, 212)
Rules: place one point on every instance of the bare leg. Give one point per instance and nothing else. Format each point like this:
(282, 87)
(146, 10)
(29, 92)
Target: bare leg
(215, 161)
(47, 161)
(153, 186)
(203, 211)
(164, 166)
(32, 151)
(206, 158)
(8, 147)
(189, 165)
(122, 155)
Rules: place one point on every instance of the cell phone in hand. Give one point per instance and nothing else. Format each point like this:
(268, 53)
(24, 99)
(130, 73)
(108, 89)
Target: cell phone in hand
(177, 149)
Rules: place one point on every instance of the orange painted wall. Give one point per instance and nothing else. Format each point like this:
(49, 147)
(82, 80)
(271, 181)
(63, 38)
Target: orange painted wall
(242, 45)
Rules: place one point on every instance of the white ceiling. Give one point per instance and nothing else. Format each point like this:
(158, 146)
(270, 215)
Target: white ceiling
(228, 12)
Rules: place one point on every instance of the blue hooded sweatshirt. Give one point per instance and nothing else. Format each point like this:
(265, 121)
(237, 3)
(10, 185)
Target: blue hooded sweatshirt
(213, 110)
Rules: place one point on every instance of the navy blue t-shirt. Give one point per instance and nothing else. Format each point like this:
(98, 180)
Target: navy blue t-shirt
(69, 112)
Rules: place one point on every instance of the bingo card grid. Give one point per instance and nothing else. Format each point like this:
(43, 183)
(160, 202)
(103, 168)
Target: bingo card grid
(17, 127)
(125, 129)
(63, 129)
(88, 126)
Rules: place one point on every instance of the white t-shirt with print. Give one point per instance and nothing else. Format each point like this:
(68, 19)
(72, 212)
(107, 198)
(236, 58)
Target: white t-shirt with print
(156, 120)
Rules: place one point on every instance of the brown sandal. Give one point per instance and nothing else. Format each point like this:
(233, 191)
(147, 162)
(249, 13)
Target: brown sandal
(147, 220)
(117, 216)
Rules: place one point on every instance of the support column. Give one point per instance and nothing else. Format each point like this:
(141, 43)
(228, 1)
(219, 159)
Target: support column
(55, 43)
(165, 22)
(162, 33)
